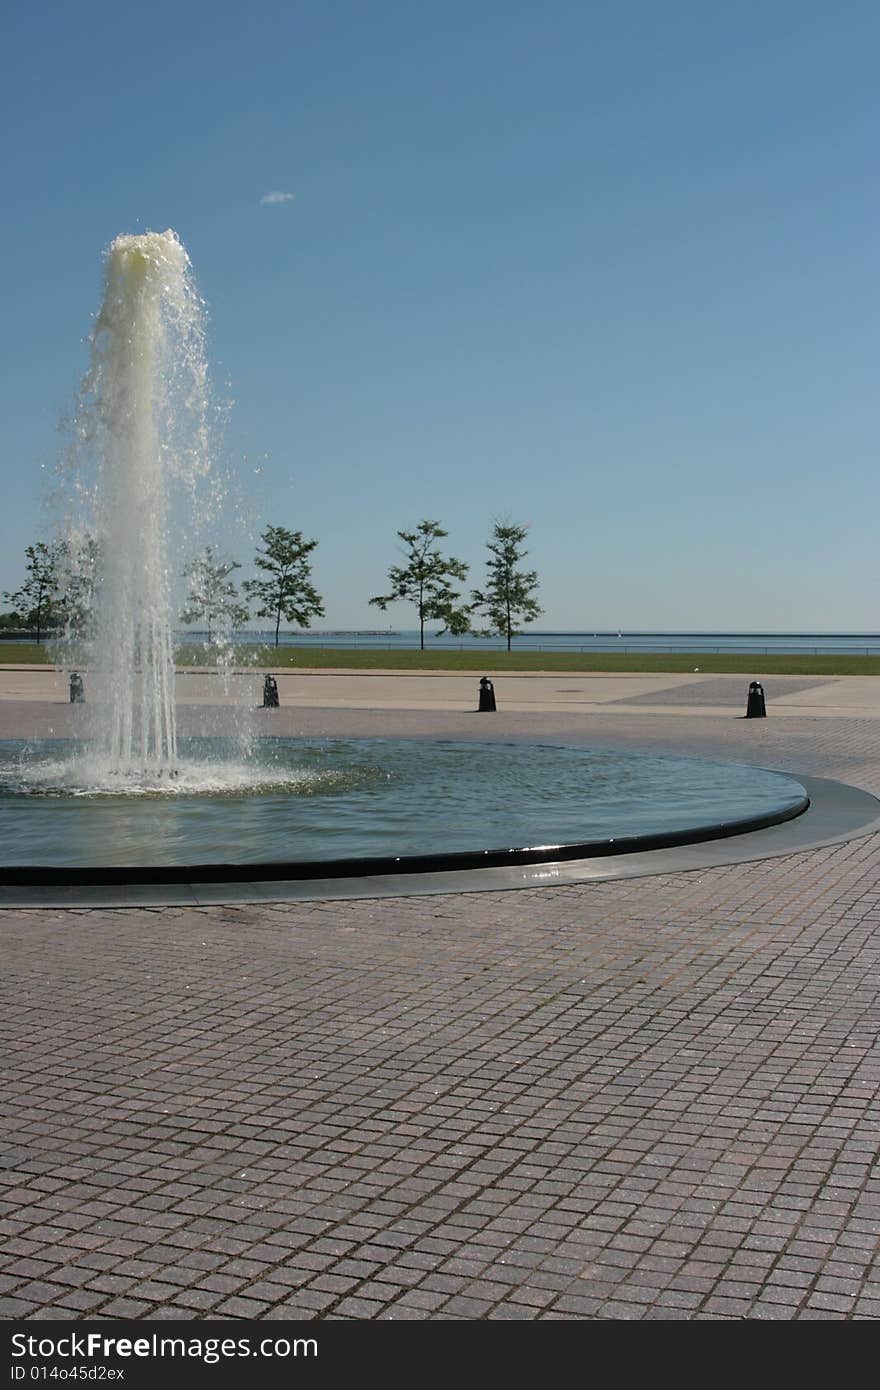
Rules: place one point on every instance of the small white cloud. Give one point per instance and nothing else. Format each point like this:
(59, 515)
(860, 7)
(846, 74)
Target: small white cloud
(277, 198)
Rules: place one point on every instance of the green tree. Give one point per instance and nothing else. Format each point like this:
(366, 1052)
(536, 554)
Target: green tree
(212, 598)
(78, 570)
(36, 603)
(508, 597)
(425, 579)
(287, 592)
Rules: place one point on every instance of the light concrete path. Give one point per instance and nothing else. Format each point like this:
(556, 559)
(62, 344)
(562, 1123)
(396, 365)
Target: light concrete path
(686, 693)
(654, 1098)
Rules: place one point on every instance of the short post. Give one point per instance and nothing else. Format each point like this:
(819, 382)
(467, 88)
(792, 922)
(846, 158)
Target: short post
(756, 707)
(487, 695)
(77, 690)
(270, 693)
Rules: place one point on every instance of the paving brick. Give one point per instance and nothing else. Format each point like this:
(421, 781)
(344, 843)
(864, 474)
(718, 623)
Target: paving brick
(644, 1098)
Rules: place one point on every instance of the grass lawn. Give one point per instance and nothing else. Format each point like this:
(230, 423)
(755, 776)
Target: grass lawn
(26, 654)
(492, 662)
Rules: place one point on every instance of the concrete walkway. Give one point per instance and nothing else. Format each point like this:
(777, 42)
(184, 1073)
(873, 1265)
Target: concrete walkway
(557, 691)
(652, 1098)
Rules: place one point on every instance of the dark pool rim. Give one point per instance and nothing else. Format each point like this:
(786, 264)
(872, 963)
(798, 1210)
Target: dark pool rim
(456, 861)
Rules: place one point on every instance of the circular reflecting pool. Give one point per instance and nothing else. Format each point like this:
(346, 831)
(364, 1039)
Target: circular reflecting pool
(333, 802)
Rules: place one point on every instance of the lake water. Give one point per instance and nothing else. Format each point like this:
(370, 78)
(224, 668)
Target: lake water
(746, 643)
(762, 643)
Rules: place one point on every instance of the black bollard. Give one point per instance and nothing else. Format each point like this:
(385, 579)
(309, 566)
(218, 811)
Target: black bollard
(77, 690)
(487, 695)
(270, 693)
(755, 705)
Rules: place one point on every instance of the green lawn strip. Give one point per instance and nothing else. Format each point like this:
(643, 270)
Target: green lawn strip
(26, 654)
(493, 662)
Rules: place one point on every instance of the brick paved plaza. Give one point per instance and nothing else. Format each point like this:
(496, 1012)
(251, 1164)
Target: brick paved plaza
(647, 1098)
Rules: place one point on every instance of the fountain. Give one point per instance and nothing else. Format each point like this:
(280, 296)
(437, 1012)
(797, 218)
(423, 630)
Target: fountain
(130, 800)
(146, 298)
(143, 410)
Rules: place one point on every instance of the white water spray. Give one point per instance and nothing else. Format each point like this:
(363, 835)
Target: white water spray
(144, 411)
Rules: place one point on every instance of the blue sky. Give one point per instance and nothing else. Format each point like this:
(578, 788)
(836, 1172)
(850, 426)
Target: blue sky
(608, 269)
